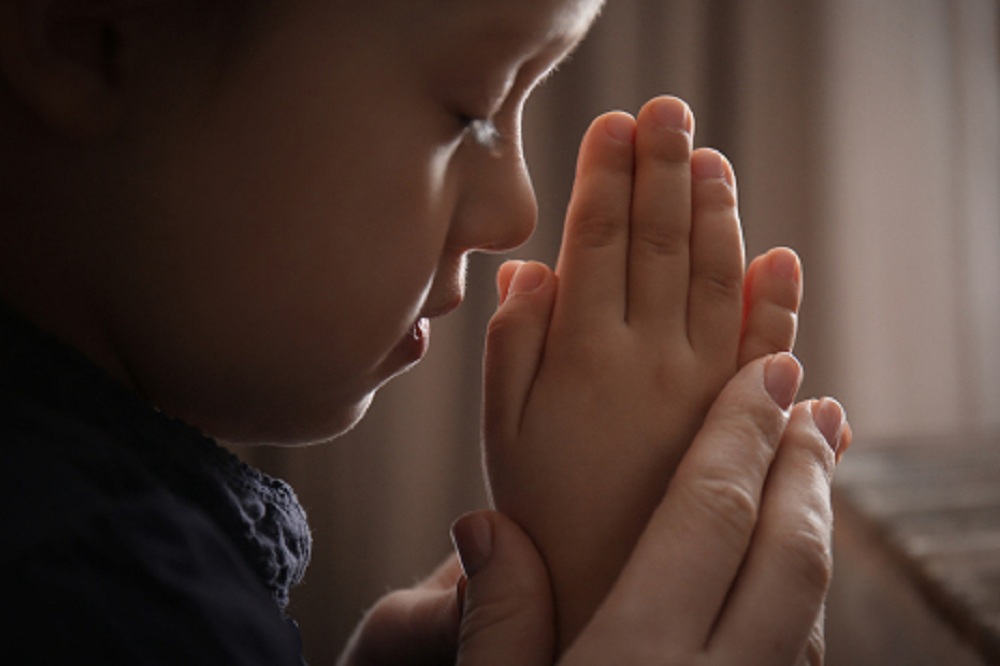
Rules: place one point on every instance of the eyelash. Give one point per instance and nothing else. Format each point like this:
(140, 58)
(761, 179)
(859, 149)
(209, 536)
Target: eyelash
(482, 130)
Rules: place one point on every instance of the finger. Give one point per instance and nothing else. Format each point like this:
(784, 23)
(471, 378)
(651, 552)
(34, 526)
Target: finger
(592, 259)
(504, 275)
(515, 340)
(658, 257)
(789, 566)
(772, 295)
(815, 652)
(408, 626)
(444, 577)
(846, 437)
(507, 613)
(717, 257)
(697, 538)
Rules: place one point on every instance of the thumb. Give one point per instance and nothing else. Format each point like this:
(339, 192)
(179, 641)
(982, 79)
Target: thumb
(515, 342)
(507, 611)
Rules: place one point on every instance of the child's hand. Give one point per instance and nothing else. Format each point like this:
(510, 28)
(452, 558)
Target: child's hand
(597, 380)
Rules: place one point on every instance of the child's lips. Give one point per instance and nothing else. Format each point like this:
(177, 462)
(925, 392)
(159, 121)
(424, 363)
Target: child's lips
(413, 346)
(415, 343)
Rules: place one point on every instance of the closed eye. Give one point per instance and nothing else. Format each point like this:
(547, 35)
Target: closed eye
(482, 130)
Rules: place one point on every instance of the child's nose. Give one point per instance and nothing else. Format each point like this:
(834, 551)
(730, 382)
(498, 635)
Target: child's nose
(497, 210)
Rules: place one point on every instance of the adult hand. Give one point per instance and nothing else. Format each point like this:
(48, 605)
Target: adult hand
(735, 563)
(507, 616)
(732, 568)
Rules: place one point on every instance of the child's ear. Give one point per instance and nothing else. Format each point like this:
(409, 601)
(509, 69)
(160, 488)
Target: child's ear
(62, 58)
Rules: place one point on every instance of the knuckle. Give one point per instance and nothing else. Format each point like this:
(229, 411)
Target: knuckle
(716, 195)
(752, 427)
(806, 549)
(813, 449)
(766, 335)
(725, 504)
(784, 296)
(781, 328)
(815, 652)
(512, 318)
(597, 229)
(501, 332)
(723, 285)
(595, 354)
(672, 148)
(501, 322)
(663, 240)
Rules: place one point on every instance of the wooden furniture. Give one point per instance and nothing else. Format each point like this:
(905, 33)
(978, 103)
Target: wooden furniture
(917, 554)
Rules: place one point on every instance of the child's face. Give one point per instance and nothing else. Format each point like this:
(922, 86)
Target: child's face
(312, 207)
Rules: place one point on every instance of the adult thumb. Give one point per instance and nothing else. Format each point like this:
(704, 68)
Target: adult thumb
(507, 610)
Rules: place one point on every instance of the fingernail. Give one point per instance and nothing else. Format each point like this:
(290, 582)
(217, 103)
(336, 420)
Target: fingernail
(472, 536)
(671, 113)
(529, 276)
(620, 126)
(829, 418)
(782, 376)
(708, 165)
(785, 264)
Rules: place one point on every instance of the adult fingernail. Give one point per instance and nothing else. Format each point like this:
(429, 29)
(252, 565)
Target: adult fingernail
(620, 126)
(529, 276)
(472, 536)
(782, 376)
(829, 418)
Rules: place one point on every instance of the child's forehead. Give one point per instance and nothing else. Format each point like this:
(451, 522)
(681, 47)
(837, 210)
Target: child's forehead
(519, 20)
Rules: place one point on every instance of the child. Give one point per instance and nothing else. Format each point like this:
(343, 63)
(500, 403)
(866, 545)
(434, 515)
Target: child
(647, 325)
(236, 219)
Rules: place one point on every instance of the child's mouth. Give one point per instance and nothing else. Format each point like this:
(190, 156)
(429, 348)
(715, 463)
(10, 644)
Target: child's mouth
(414, 344)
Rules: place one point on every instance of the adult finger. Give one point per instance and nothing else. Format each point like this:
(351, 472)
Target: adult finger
(815, 652)
(507, 611)
(789, 565)
(418, 625)
(672, 590)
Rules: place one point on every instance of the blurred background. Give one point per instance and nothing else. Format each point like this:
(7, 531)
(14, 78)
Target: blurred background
(865, 134)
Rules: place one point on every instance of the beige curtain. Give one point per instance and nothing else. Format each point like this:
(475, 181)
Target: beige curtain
(913, 142)
(865, 134)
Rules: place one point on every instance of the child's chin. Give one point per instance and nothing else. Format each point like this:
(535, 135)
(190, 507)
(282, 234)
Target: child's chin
(302, 432)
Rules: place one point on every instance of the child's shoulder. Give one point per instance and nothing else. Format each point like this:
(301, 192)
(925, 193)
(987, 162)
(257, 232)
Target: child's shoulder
(127, 529)
(78, 443)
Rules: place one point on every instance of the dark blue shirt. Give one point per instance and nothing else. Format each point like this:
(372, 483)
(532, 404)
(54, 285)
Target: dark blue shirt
(128, 537)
